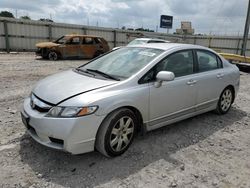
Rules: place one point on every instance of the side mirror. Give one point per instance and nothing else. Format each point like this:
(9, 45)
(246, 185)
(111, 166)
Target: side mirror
(163, 76)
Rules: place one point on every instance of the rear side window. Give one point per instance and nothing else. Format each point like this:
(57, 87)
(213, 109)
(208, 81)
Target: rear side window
(156, 41)
(207, 61)
(97, 40)
(88, 40)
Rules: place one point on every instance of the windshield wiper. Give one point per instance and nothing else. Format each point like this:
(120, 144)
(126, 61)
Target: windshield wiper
(84, 70)
(104, 74)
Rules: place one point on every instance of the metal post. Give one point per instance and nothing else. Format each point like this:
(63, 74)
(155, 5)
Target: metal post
(114, 38)
(238, 46)
(246, 31)
(84, 30)
(7, 42)
(50, 32)
(194, 39)
(209, 42)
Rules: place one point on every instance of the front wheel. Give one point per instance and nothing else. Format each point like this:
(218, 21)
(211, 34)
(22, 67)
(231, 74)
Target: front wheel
(225, 101)
(116, 133)
(52, 55)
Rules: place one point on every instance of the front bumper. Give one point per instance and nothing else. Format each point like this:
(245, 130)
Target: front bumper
(74, 135)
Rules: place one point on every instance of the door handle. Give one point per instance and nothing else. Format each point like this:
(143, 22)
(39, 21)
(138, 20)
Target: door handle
(191, 82)
(220, 75)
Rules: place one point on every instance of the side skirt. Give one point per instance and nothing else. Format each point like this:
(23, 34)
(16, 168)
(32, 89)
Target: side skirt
(173, 118)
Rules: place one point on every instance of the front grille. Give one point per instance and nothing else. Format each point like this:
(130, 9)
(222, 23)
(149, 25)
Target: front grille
(39, 104)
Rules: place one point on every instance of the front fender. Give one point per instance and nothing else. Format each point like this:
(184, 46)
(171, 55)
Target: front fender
(137, 98)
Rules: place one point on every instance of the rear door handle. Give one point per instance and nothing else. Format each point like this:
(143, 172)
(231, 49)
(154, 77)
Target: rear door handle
(191, 82)
(220, 75)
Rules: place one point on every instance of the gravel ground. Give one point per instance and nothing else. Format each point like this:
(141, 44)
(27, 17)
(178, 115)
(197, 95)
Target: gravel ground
(204, 151)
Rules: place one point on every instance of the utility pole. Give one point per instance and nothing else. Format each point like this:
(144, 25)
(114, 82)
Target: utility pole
(246, 31)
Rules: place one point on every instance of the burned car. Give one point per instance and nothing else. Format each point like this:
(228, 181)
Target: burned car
(73, 46)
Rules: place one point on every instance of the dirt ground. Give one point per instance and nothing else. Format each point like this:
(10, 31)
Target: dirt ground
(204, 151)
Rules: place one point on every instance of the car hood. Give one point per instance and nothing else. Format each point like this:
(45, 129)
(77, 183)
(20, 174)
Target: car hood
(46, 44)
(60, 86)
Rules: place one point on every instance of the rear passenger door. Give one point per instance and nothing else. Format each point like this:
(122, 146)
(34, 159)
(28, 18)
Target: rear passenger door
(210, 79)
(88, 47)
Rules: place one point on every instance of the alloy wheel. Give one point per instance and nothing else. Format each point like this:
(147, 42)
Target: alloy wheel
(226, 100)
(122, 134)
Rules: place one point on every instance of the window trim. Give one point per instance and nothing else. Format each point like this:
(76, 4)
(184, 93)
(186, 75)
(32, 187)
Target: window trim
(140, 81)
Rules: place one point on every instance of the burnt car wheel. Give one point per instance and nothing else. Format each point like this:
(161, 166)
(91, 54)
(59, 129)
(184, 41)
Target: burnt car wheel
(98, 53)
(52, 55)
(116, 133)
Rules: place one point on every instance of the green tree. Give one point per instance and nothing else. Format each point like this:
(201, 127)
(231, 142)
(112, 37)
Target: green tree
(25, 17)
(45, 20)
(6, 14)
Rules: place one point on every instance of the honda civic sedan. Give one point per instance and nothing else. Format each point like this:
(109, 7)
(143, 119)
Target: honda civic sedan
(103, 104)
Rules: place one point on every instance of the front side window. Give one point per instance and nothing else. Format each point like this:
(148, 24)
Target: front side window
(180, 63)
(207, 61)
(62, 40)
(74, 41)
(124, 62)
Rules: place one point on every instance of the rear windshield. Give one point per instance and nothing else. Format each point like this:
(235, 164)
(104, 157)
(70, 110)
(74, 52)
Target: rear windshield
(135, 42)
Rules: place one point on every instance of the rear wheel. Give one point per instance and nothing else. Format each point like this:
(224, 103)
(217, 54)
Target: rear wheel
(225, 101)
(52, 55)
(97, 53)
(116, 133)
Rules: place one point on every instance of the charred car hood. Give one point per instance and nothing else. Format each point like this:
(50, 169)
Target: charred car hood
(46, 44)
(60, 86)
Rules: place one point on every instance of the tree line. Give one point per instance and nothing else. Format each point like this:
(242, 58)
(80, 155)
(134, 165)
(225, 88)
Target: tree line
(10, 15)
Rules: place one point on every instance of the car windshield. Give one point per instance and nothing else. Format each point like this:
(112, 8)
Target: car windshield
(135, 42)
(62, 40)
(124, 62)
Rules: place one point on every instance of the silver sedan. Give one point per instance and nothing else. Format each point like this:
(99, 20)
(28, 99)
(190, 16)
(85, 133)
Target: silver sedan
(103, 104)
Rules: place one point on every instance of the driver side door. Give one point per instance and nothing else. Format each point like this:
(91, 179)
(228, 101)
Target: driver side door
(177, 98)
(72, 47)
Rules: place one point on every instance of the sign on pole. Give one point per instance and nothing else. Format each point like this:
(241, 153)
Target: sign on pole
(166, 22)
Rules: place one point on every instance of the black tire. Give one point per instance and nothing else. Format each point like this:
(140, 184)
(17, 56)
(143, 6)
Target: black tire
(225, 101)
(52, 55)
(111, 131)
(44, 52)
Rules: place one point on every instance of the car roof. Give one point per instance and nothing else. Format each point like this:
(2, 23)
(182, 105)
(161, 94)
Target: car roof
(78, 35)
(168, 46)
(147, 39)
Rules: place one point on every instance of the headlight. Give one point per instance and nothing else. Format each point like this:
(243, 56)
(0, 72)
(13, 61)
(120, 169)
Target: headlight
(58, 111)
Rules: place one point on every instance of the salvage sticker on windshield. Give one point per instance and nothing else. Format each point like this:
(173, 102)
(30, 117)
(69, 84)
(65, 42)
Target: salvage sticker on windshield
(150, 54)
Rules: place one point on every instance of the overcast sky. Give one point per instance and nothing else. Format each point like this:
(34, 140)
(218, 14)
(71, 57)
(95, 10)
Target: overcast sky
(207, 16)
